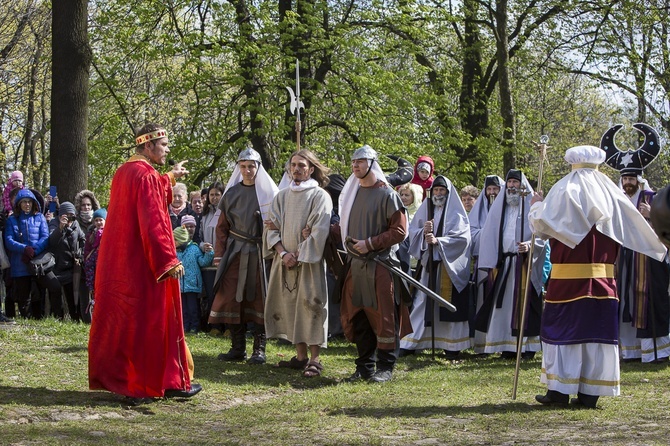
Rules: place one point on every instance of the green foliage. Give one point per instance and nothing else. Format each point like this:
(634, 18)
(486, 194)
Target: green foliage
(388, 74)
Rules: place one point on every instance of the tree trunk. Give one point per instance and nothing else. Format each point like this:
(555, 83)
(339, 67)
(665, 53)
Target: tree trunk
(69, 97)
(248, 66)
(473, 103)
(504, 87)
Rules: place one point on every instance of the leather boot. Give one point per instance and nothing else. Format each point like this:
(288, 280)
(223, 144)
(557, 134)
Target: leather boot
(238, 349)
(258, 356)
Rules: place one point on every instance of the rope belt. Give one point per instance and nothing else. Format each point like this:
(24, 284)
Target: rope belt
(582, 271)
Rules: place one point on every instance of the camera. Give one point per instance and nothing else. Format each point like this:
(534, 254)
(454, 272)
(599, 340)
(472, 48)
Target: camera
(71, 218)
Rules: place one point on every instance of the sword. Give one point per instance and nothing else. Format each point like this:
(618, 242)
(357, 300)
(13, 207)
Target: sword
(403, 276)
(296, 103)
(261, 260)
(415, 283)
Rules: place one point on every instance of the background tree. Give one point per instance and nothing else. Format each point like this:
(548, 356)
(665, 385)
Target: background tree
(69, 97)
(408, 77)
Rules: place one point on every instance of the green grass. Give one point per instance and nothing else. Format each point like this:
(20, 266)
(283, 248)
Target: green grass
(44, 399)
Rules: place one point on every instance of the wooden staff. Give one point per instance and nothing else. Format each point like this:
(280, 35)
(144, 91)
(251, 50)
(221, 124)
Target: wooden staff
(431, 274)
(542, 147)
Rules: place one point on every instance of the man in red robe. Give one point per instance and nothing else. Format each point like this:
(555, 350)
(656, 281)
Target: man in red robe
(136, 346)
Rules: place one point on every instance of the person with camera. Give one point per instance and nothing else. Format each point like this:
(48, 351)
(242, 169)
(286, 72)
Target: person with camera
(66, 243)
(26, 236)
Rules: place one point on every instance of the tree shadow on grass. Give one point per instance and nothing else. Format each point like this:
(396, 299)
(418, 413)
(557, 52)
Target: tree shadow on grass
(42, 396)
(444, 411)
(465, 362)
(240, 373)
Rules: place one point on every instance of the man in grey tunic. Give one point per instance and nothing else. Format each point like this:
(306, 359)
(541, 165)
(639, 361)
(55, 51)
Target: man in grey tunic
(373, 221)
(296, 308)
(239, 299)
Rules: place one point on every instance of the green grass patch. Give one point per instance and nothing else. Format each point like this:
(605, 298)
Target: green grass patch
(44, 399)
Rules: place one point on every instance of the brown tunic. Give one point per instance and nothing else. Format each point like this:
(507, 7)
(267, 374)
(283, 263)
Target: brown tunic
(377, 213)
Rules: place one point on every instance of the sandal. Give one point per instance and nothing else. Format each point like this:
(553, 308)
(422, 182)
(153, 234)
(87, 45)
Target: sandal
(313, 369)
(294, 363)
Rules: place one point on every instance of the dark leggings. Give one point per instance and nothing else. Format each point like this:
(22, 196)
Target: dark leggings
(56, 290)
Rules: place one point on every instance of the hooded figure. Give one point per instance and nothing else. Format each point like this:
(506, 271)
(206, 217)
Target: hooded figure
(450, 230)
(85, 216)
(504, 246)
(427, 164)
(26, 236)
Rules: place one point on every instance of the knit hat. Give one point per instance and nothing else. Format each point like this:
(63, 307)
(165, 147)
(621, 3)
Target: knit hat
(100, 213)
(180, 236)
(16, 175)
(514, 174)
(186, 219)
(424, 166)
(440, 181)
(66, 208)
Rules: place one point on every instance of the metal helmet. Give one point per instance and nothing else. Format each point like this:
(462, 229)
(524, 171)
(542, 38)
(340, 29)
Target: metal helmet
(249, 154)
(366, 152)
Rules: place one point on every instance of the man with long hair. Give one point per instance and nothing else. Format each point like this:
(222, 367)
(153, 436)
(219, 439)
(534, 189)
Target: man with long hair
(296, 308)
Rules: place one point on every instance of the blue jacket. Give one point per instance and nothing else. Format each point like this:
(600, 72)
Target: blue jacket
(193, 259)
(24, 230)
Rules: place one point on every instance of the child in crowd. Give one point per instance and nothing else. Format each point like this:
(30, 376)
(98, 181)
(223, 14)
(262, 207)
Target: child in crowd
(15, 182)
(192, 258)
(91, 254)
(423, 173)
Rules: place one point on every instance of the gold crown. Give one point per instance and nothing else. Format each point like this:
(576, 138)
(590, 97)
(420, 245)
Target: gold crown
(150, 136)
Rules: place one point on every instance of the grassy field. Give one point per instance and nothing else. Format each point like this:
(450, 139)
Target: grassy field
(44, 399)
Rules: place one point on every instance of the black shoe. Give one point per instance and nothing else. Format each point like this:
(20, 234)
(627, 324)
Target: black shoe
(177, 393)
(452, 354)
(527, 356)
(553, 398)
(508, 355)
(130, 401)
(257, 358)
(585, 401)
(233, 355)
(5, 320)
(358, 376)
(381, 376)
(405, 352)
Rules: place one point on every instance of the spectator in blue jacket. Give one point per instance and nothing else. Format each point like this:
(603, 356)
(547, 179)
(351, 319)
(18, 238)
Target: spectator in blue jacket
(192, 258)
(26, 235)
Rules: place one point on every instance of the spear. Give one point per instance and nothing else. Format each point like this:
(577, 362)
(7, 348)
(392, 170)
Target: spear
(296, 103)
(542, 147)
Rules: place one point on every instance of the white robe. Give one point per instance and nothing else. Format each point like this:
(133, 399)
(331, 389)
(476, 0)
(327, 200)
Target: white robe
(452, 251)
(499, 336)
(297, 304)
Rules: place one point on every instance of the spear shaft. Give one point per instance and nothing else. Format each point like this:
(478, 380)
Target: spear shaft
(529, 272)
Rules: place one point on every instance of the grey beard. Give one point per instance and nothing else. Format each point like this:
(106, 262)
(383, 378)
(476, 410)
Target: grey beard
(512, 200)
(439, 201)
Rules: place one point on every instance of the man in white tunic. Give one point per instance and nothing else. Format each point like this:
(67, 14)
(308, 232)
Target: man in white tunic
(504, 246)
(586, 218)
(445, 234)
(297, 303)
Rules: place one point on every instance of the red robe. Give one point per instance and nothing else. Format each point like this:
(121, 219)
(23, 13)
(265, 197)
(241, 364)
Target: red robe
(136, 346)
